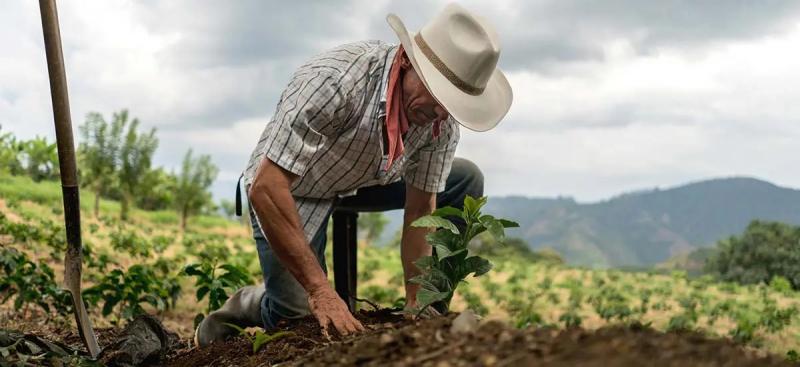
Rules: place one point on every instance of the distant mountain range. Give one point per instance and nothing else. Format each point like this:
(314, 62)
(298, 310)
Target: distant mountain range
(643, 228)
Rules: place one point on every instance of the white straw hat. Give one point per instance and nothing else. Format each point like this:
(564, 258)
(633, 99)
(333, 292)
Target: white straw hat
(456, 55)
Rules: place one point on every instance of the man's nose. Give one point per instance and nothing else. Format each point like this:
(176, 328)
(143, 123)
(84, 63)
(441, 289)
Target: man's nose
(441, 113)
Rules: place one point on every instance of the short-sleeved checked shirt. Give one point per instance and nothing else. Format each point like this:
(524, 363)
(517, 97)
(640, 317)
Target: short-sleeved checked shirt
(327, 129)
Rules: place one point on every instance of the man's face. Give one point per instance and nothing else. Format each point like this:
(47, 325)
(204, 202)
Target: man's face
(421, 108)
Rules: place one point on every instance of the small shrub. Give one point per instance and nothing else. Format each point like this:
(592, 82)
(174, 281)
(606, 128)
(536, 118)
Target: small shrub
(450, 263)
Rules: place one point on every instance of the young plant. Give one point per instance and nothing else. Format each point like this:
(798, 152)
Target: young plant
(259, 338)
(450, 263)
(215, 281)
(31, 283)
(130, 289)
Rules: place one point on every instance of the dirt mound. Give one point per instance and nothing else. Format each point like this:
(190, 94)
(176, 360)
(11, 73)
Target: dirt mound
(392, 341)
(306, 337)
(430, 343)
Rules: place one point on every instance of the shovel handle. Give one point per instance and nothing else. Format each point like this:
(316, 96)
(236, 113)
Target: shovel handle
(69, 172)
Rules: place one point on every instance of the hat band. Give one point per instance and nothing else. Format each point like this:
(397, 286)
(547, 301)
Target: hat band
(440, 65)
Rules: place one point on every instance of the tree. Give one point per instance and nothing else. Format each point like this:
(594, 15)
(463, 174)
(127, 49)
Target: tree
(158, 190)
(135, 158)
(41, 159)
(98, 154)
(9, 154)
(228, 208)
(765, 250)
(372, 225)
(191, 192)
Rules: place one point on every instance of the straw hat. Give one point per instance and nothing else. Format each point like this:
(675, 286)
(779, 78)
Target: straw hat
(456, 55)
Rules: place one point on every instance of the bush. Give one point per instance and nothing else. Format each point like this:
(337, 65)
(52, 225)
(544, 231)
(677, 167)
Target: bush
(31, 283)
(127, 291)
(765, 250)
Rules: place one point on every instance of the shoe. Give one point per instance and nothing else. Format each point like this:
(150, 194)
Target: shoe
(242, 309)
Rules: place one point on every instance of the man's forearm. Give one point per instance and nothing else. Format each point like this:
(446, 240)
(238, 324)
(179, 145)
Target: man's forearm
(278, 216)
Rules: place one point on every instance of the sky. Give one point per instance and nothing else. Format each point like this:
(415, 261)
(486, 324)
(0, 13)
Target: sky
(609, 96)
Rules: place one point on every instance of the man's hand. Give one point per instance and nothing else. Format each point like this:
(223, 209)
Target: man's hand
(328, 308)
(277, 213)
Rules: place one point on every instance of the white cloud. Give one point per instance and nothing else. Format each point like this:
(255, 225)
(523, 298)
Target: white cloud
(604, 102)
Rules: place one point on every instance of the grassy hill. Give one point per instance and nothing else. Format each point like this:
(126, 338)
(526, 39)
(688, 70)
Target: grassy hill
(524, 292)
(648, 227)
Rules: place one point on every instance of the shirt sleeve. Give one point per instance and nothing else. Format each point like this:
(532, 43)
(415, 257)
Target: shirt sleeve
(310, 111)
(429, 167)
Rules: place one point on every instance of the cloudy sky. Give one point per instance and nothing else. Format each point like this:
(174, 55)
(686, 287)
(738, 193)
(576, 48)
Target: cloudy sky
(610, 96)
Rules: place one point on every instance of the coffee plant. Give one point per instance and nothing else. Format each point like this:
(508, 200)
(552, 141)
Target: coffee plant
(129, 290)
(31, 283)
(450, 263)
(216, 280)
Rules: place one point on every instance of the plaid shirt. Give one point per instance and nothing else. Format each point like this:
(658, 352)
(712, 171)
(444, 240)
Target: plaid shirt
(328, 127)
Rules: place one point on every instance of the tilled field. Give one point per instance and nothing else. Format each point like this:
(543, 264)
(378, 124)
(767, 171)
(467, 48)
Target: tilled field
(393, 341)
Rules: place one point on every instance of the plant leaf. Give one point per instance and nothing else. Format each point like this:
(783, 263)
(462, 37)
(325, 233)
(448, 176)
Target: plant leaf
(426, 297)
(436, 222)
(448, 211)
(263, 338)
(475, 264)
(425, 262)
(508, 223)
(445, 238)
(496, 230)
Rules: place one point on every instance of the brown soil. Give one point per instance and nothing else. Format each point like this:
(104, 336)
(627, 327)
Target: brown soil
(307, 336)
(393, 341)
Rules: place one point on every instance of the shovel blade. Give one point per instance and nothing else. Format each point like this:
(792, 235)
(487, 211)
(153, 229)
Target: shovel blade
(72, 280)
(85, 326)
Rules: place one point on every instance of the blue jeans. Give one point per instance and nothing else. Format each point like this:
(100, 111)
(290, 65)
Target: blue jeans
(285, 298)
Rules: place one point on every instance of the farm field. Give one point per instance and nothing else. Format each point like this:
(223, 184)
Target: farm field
(143, 266)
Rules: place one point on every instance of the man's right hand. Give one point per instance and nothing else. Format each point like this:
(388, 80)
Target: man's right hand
(329, 309)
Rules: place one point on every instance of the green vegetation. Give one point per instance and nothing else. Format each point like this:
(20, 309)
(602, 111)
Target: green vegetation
(450, 263)
(259, 338)
(645, 228)
(766, 252)
(197, 175)
(147, 264)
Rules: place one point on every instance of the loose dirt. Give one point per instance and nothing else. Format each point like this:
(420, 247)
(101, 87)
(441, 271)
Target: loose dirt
(394, 341)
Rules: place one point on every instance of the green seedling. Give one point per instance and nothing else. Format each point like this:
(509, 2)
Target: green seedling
(259, 338)
(215, 281)
(450, 263)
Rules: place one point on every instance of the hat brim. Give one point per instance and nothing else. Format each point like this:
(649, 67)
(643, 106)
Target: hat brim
(476, 112)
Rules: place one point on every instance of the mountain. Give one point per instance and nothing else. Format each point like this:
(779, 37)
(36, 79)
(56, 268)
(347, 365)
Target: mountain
(644, 228)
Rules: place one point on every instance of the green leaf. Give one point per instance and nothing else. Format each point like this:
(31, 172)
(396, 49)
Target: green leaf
(425, 262)
(263, 338)
(436, 222)
(508, 223)
(201, 292)
(472, 206)
(448, 211)
(496, 230)
(475, 264)
(426, 297)
(444, 238)
(443, 252)
(423, 281)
